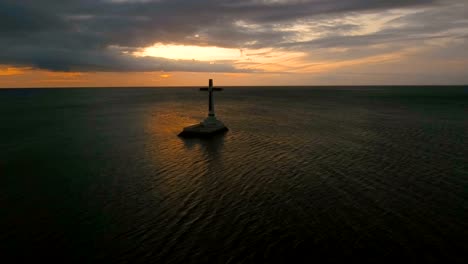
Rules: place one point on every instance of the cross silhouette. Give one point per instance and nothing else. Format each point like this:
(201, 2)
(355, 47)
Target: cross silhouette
(210, 125)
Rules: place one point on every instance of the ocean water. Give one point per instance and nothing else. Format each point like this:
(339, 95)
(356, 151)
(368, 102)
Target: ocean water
(318, 174)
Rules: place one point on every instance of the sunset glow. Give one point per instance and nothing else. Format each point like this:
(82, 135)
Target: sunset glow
(182, 52)
(9, 71)
(155, 43)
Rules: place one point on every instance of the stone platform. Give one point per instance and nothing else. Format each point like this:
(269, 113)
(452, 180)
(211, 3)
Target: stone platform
(203, 130)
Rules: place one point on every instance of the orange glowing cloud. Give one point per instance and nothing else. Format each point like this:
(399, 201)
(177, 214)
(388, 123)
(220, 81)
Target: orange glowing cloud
(8, 71)
(65, 75)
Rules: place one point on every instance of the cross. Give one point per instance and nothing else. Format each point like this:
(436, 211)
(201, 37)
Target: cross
(210, 90)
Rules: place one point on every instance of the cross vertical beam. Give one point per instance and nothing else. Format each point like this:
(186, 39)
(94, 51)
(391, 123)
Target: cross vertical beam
(210, 99)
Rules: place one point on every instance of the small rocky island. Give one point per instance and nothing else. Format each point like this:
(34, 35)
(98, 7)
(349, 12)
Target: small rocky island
(211, 125)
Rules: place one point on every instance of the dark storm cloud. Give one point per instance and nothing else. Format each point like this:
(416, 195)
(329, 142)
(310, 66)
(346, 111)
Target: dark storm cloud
(79, 35)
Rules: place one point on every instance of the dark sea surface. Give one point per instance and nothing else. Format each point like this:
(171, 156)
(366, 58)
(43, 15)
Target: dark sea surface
(318, 174)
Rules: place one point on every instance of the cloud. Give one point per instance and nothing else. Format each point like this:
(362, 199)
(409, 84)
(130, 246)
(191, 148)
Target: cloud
(8, 71)
(441, 22)
(101, 35)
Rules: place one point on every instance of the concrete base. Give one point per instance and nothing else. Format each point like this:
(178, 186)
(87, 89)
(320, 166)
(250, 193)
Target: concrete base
(211, 121)
(204, 129)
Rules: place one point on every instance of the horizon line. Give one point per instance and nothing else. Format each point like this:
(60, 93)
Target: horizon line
(235, 86)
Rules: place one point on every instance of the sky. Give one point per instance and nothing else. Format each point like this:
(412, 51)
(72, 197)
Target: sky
(107, 43)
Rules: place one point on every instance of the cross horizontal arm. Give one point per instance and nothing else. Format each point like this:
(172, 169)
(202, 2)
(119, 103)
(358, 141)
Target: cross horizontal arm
(214, 89)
